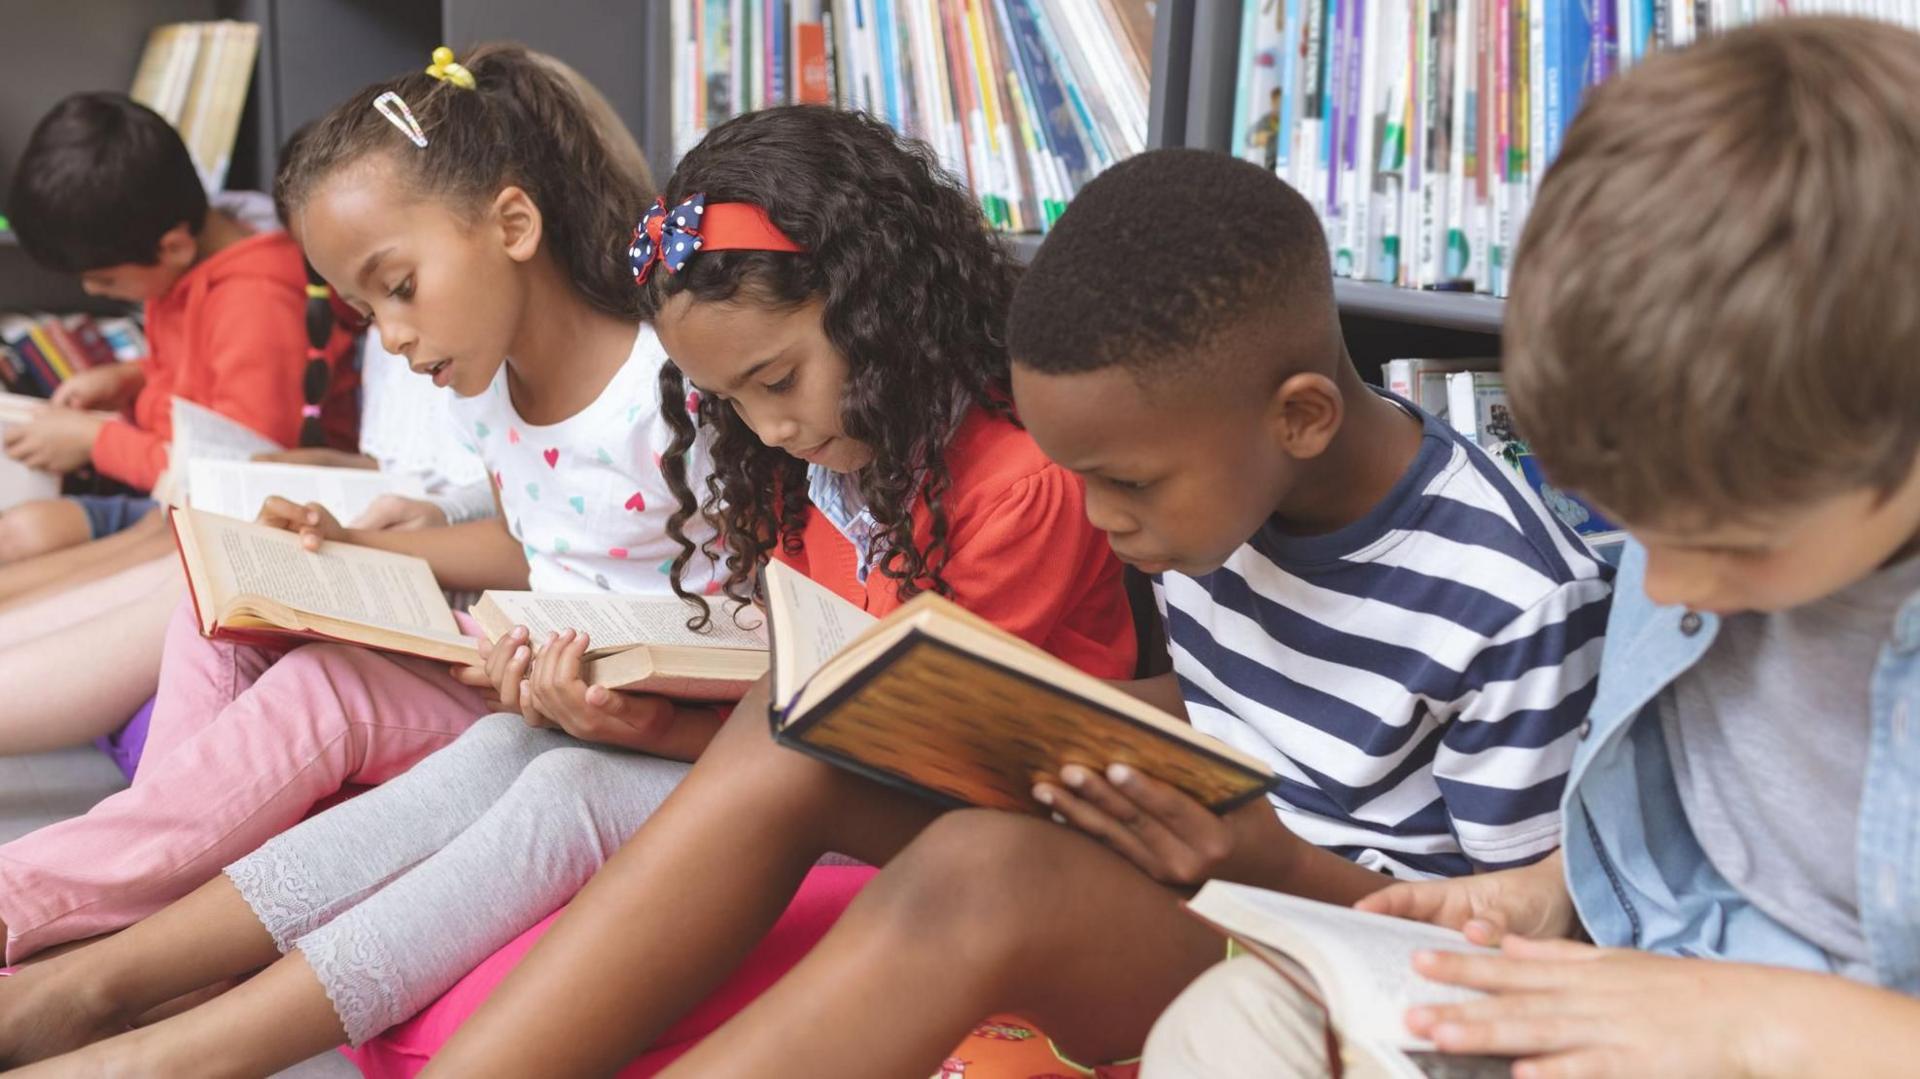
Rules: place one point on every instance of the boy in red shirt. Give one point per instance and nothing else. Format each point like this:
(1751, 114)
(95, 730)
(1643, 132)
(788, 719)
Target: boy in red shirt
(106, 189)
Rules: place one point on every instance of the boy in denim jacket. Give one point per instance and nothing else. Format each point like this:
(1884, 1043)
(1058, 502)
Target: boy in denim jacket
(1715, 335)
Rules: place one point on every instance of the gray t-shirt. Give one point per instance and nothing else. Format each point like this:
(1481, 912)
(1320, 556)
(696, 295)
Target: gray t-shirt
(1769, 735)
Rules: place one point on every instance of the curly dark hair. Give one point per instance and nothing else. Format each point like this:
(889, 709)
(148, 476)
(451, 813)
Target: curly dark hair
(915, 291)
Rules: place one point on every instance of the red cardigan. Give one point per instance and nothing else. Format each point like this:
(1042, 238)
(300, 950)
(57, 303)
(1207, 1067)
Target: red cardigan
(1021, 552)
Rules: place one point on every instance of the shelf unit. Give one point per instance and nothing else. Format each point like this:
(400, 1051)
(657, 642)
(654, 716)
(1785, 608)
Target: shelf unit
(1382, 321)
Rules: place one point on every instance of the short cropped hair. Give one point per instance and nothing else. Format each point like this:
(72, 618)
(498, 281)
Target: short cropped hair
(1160, 255)
(1716, 300)
(101, 180)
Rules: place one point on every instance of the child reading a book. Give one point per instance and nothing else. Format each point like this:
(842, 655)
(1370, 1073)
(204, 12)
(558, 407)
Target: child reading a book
(1354, 594)
(106, 189)
(508, 284)
(858, 433)
(84, 660)
(1711, 335)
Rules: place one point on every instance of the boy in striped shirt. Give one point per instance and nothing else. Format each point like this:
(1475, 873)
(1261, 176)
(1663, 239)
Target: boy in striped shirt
(1352, 592)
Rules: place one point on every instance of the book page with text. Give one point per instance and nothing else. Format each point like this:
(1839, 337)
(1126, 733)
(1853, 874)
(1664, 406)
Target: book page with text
(201, 433)
(238, 489)
(339, 580)
(810, 624)
(1363, 961)
(615, 622)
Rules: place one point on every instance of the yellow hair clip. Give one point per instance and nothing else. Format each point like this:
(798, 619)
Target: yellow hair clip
(447, 69)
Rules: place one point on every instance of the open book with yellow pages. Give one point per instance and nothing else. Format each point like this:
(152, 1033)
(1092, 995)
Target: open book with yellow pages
(641, 644)
(257, 584)
(934, 700)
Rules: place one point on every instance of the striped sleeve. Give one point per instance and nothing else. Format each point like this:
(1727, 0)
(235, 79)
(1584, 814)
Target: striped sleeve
(1502, 761)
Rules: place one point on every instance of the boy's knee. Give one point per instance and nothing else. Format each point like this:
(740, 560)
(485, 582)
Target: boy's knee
(1239, 1019)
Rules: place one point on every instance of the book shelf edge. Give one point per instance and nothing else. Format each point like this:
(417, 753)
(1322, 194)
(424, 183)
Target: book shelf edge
(1449, 310)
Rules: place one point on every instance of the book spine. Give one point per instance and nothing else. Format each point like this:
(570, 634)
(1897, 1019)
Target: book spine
(1436, 166)
(1390, 169)
(1314, 81)
(1284, 36)
(1503, 147)
(1486, 151)
(1332, 134)
(1247, 98)
(1463, 137)
(1412, 251)
(1398, 376)
(1364, 138)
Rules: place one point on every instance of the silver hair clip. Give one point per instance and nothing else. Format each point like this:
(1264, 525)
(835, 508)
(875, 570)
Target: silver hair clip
(399, 115)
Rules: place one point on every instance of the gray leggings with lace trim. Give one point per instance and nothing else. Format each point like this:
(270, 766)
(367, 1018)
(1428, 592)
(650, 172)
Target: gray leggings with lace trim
(395, 895)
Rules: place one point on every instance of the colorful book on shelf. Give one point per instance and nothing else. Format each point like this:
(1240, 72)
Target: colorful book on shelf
(941, 703)
(255, 584)
(641, 644)
(197, 75)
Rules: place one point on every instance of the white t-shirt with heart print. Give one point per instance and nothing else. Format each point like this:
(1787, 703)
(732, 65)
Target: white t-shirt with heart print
(585, 497)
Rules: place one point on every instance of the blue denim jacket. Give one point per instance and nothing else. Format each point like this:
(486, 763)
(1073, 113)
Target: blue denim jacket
(1638, 875)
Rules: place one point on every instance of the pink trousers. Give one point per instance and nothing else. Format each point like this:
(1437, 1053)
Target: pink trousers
(244, 742)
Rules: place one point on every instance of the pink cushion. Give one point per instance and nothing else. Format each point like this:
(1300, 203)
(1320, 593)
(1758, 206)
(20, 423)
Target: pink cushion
(403, 1051)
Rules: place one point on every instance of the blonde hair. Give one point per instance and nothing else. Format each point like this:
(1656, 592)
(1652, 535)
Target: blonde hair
(1716, 301)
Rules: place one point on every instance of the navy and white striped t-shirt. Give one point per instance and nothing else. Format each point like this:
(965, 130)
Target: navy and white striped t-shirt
(1416, 678)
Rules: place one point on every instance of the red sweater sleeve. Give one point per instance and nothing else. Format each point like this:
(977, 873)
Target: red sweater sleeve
(130, 454)
(249, 370)
(1029, 562)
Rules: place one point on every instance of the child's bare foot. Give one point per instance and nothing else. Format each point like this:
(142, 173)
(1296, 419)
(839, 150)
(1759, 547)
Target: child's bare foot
(44, 1014)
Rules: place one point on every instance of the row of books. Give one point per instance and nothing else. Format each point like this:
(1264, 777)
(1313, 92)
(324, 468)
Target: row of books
(1420, 129)
(196, 74)
(39, 352)
(1471, 397)
(1026, 100)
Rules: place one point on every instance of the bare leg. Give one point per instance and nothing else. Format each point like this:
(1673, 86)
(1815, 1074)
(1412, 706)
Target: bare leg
(54, 572)
(76, 680)
(34, 613)
(42, 525)
(679, 906)
(97, 991)
(269, 1022)
(984, 913)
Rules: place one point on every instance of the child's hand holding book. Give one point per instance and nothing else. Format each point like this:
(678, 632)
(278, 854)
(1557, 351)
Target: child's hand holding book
(110, 386)
(56, 440)
(555, 694)
(1530, 901)
(314, 524)
(1170, 836)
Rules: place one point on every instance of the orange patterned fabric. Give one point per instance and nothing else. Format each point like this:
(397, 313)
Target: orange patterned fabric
(1008, 1047)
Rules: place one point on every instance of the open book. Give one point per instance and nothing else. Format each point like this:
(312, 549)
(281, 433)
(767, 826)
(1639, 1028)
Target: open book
(1358, 965)
(20, 408)
(937, 701)
(239, 488)
(253, 583)
(640, 644)
(201, 434)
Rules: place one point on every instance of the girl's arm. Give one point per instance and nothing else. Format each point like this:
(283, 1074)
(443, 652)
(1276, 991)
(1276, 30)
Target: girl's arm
(465, 558)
